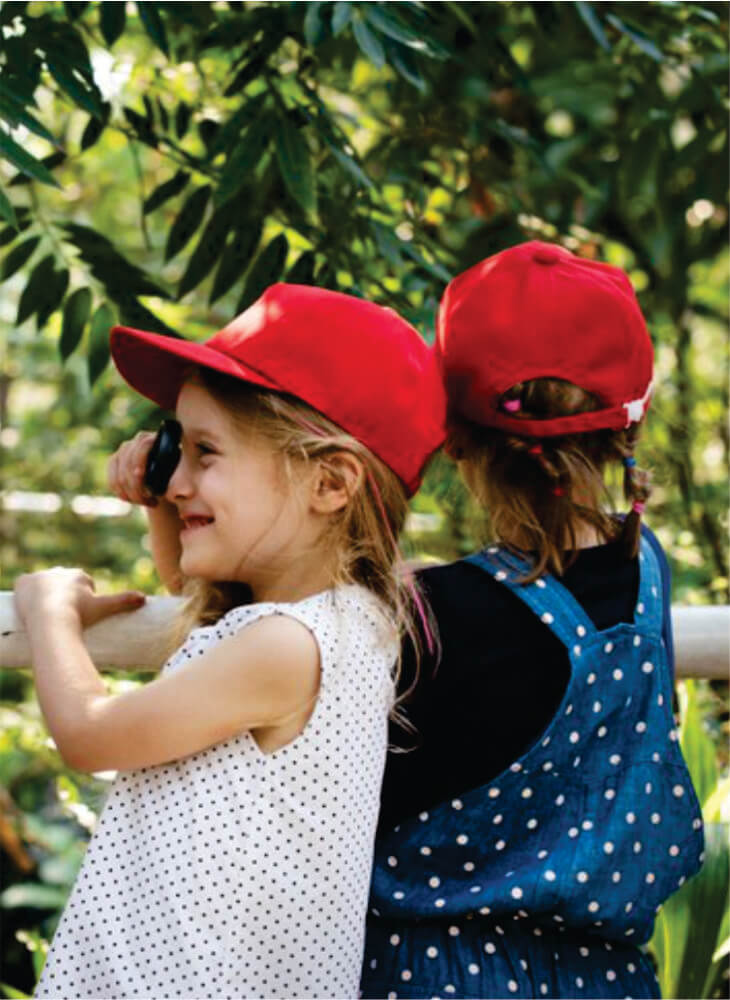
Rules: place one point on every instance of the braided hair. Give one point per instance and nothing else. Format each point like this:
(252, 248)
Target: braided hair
(540, 492)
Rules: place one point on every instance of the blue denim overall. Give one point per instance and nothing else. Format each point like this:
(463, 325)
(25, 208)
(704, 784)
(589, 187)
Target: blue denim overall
(545, 881)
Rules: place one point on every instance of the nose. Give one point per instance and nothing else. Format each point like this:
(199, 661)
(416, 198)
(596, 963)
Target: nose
(180, 485)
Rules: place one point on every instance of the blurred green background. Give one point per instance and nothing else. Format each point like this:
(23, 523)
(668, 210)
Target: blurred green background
(162, 163)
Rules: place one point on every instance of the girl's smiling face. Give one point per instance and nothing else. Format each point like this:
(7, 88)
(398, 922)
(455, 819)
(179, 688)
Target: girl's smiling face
(243, 519)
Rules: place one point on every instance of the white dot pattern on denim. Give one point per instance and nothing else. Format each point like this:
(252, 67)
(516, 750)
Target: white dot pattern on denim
(232, 873)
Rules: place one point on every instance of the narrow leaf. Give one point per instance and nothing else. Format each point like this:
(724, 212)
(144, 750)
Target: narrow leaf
(236, 257)
(15, 114)
(592, 22)
(6, 209)
(265, 271)
(402, 60)
(18, 256)
(208, 251)
(52, 297)
(313, 27)
(187, 222)
(80, 88)
(10, 233)
(49, 162)
(637, 37)
(389, 24)
(94, 127)
(295, 163)
(101, 323)
(12, 994)
(142, 126)
(368, 43)
(168, 189)
(149, 15)
(182, 119)
(26, 163)
(302, 271)
(341, 13)
(33, 292)
(245, 156)
(113, 17)
(75, 316)
(350, 166)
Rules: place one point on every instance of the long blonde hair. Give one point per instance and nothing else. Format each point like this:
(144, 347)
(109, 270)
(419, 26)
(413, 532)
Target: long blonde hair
(543, 491)
(361, 538)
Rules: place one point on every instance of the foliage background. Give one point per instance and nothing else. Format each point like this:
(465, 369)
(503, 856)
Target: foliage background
(162, 163)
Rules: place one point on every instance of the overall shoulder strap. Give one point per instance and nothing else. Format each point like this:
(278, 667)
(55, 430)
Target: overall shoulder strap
(554, 605)
(649, 612)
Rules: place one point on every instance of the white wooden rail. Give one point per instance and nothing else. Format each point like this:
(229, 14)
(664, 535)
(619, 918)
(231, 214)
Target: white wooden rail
(129, 641)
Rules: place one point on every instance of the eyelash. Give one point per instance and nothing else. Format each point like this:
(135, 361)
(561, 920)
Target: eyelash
(204, 449)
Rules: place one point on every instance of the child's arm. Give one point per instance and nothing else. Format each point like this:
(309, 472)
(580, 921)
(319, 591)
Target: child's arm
(258, 678)
(125, 474)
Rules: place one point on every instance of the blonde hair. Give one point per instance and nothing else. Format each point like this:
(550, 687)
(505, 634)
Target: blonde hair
(542, 491)
(360, 538)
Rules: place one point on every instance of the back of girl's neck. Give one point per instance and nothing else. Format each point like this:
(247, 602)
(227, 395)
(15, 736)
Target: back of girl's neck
(586, 537)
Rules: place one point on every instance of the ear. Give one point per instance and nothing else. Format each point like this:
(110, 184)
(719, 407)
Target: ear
(338, 477)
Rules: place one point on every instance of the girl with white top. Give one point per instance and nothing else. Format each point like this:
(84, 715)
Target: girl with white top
(233, 856)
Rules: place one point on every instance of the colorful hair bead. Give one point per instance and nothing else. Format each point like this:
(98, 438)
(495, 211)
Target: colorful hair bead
(638, 507)
(536, 449)
(512, 405)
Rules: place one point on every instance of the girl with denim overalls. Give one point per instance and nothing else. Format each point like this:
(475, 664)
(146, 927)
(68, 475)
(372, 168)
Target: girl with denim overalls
(545, 813)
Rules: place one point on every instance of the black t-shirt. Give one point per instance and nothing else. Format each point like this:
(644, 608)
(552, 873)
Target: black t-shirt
(500, 679)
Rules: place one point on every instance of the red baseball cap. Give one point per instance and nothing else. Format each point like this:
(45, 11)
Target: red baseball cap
(359, 364)
(538, 311)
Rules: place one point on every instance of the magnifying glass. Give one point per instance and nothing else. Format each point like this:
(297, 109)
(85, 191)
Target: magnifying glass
(163, 457)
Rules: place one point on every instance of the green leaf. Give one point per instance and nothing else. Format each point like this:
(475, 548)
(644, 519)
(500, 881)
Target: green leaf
(94, 127)
(638, 37)
(401, 59)
(302, 271)
(266, 270)
(353, 168)
(75, 316)
(168, 189)
(368, 42)
(236, 257)
(187, 222)
(109, 267)
(341, 13)
(133, 313)
(230, 132)
(26, 163)
(142, 126)
(295, 163)
(208, 251)
(50, 162)
(52, 296)
(40, 279)
(314, 27)
(244, 157)
(10, 233)
(697, 747)
(78, 86)
(18, 256)
(13, 111)
(101, 323)
(592, 22)
(388, 244)
(113, 17)
(149, 15)
(382, 18)
(6, 209)
(182, 119)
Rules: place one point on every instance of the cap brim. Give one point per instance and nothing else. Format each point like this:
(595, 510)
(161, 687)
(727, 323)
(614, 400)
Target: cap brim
(156, 365)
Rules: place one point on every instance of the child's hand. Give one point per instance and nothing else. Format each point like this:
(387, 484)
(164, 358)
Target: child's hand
(126, 467)
(68, 594)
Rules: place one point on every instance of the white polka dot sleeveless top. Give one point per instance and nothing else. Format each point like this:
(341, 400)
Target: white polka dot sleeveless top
(234, 873)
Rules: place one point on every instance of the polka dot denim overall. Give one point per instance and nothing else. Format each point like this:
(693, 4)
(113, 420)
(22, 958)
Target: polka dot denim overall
(544, 881)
